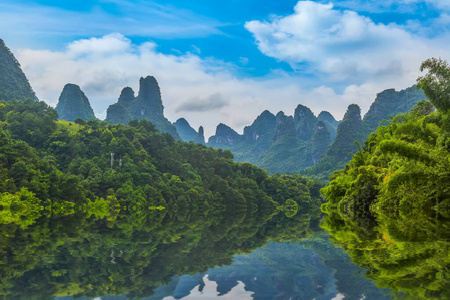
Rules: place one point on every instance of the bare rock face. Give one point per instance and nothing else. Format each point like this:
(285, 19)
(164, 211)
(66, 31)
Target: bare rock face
(14, 84)
(74, 104)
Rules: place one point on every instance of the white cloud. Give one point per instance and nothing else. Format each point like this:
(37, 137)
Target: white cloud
(203, 91)
(344, 46)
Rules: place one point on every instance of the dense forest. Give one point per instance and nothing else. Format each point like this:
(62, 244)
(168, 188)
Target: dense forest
(93, 164)
(76, 196)
(389, 207)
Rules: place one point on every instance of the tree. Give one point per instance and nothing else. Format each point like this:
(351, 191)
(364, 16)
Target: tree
(436, 83)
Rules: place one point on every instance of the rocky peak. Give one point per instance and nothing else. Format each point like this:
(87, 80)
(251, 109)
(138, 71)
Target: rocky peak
(350, 129)
(147, 105)
(263, 127)
(186, 132)
(225, 136)
(285, 125)
(321, 140)
(200, 138)
(305, 122)
(389, 103)
(325, 116)
(149, 100)
(74, 104)
(126, 96)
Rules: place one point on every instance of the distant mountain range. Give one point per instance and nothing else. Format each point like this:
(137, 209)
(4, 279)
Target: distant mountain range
(314, 146)
(319, 144)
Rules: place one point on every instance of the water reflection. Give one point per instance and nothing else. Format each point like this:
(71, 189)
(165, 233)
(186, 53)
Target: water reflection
(309, 269)
(150, 255)
(208, 289)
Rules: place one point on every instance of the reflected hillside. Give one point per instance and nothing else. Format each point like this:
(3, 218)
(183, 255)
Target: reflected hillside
(82, 255)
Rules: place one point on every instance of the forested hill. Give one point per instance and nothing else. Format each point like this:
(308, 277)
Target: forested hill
(390, 205)
(284, 143)
(353, 129)
(13, 83)
(64, 165)
(74, 104)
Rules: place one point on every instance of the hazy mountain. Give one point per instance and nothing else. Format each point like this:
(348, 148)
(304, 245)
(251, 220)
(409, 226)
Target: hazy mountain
(186, 132)
(390, 103)
(200, 138)
(74, 104)
(278, 143)
(285, 143)
(329, 121)
(225, 136)
(13, 82)
(305, 122)
(352, 128)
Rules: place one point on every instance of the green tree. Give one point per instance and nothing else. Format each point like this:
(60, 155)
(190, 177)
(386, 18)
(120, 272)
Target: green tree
(436, 83)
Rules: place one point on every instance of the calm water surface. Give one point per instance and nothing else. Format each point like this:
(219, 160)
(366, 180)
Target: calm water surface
(167, 255)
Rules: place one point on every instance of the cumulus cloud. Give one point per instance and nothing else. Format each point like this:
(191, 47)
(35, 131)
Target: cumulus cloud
(102, 66)
(204, 91)
(343, 45)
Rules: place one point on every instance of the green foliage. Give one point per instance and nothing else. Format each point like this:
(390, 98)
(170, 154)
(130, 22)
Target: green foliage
(436, 83)
(389, 205)
(351, 128)
(75, 219)
(103, 168)
(89, 253)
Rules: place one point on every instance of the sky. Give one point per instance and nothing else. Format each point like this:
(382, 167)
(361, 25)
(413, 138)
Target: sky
(226, 61)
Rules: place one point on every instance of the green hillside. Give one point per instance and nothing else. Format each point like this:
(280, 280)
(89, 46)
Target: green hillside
(64, 165)
(14, 84)
(74, 104)
(390, 205)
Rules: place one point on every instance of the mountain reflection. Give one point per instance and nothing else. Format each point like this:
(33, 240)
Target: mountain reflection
(239, 254)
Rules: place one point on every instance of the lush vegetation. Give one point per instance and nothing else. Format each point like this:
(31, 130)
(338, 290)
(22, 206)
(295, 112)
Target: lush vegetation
(141, 249)
(354, 128)
(78, 199)
(13, 83)
(389, 206)
(62, 164)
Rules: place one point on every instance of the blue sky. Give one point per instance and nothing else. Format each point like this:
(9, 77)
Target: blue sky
(226, 61)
